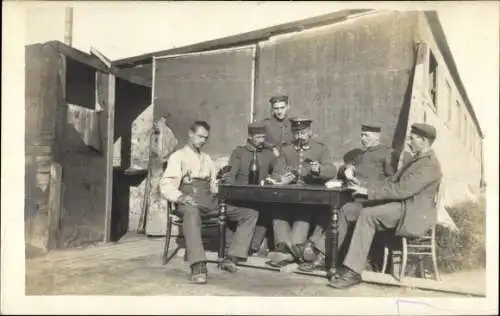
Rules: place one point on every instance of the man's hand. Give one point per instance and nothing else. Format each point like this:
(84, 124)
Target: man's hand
(349, 175)
(315, 166)
(359, 190)
(186, 200)
(276, 151)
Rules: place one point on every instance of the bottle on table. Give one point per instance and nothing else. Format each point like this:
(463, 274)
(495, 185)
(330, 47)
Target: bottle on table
(253, 172)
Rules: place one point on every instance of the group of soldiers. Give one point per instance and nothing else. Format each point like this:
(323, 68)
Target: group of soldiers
(391, 198)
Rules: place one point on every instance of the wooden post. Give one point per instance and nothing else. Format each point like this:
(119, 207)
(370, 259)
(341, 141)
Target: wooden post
(109, 156)
(54, 205)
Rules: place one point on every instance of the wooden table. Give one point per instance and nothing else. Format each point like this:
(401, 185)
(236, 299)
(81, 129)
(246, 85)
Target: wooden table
(289, 194)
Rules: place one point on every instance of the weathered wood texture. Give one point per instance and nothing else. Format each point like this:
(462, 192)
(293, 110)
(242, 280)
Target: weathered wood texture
(342, 75)
(41, 105)
(84, 165)
(215, 87)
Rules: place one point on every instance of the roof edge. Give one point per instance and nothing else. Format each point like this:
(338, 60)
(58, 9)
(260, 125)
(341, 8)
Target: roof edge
(243, 38)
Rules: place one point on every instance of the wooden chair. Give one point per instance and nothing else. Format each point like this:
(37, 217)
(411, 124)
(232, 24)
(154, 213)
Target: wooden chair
(173, 219)
(421, 247)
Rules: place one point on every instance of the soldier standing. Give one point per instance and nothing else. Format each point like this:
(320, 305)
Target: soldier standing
(306, 161)
(278, 133)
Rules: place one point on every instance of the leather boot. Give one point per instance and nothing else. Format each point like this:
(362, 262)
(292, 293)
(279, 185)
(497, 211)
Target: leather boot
(199, 273)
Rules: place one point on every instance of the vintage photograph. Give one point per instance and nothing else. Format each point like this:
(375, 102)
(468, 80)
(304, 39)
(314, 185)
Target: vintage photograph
(261, 150)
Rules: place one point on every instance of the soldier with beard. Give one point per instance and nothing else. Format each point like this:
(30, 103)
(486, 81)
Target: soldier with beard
(304, 162)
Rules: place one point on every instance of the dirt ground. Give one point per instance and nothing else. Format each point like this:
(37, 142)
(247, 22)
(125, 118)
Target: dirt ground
(134, 268)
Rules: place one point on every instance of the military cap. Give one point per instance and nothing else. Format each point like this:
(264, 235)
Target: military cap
(299, 123)
(370, 127)
(278, 98)
(425, 130)
(256, 128)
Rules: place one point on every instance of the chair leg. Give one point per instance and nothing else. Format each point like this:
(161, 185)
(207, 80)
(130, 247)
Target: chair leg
(404, 259)
(421, 268)
(168, 233)
(434, 260)
(386, 258)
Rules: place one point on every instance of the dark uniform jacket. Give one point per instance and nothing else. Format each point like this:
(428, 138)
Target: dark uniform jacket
(415, 184)
(278, 133)
(292, 158)
(240, 162)
(373, 163)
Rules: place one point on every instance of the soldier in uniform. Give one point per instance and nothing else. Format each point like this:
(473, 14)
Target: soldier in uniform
(373, 161)
(407, 203)
(306, 161)
(278, 126)
(278, 134)
(239, 164)
(189, 181)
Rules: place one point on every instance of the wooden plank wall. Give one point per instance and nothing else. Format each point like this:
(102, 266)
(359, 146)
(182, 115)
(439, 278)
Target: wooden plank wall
(40, 119)
(83, 167)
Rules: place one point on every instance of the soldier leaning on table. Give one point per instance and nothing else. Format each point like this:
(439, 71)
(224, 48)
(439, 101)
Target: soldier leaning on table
(373, 161)
(190, 181)
(306, 161)
(239, 164)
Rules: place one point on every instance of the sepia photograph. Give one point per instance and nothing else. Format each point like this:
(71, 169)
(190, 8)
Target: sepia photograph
(254, 151)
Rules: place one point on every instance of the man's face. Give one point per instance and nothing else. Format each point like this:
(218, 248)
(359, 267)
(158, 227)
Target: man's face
(198, 138)
(257, 140)
(303, 136)
(369, 139)
(280, 109)
(416, 143)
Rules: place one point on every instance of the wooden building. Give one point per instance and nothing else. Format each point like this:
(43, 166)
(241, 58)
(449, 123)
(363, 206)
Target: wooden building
(71, 129)
(340, 69)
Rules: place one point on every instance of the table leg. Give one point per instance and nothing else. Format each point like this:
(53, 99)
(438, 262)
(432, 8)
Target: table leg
(332, 237)
(222, 232)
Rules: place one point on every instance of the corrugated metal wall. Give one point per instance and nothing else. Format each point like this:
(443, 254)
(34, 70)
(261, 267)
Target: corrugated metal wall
(213, 86)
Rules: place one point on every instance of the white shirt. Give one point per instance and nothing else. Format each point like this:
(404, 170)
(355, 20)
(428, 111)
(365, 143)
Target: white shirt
(181, 163)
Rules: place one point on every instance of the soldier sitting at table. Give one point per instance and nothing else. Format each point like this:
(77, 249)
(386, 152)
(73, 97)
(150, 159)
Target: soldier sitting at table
(278, 134)
(190, 181)
(373, 161)
(242, 160)
(306, 161)
(406, 203)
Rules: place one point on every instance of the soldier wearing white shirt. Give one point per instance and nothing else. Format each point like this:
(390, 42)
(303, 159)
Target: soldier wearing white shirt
(190, 181)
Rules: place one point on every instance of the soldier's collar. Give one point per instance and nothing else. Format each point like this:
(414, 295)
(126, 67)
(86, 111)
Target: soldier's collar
(303, 147)
(251, 147)
(371, 147)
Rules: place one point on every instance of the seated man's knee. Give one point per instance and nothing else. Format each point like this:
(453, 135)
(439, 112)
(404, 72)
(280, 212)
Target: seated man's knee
(351, 211)
(189, 211)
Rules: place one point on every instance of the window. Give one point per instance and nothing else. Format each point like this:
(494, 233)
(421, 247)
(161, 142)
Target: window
(448, 101)
(425, 117)
(464, 134)
(433, 79)
(459, 118)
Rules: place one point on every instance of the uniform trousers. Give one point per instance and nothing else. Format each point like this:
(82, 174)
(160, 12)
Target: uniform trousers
(246, 218)
(291, 225)
(369, 219)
